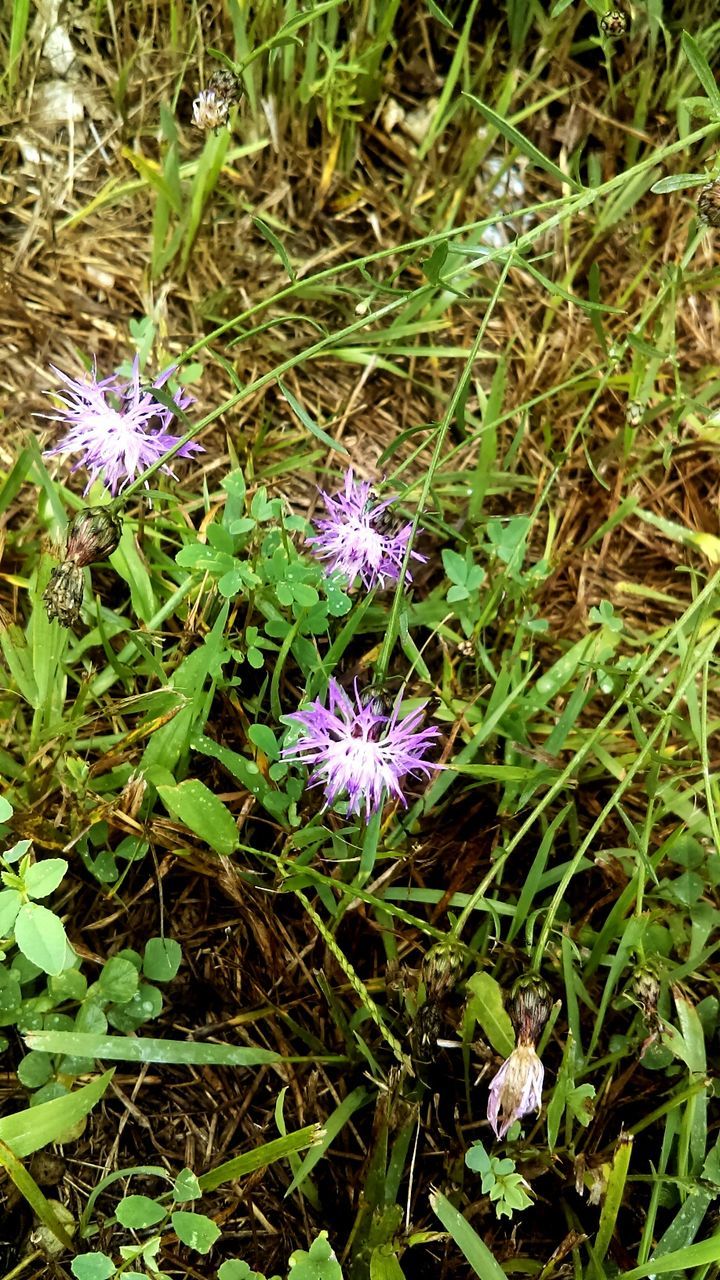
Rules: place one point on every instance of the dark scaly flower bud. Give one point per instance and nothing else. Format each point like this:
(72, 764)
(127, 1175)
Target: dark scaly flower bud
(530, 1007)
(63, 595)
(93, 534)
(646, 989)
(441, 969)
(708, 205)
(614, 23)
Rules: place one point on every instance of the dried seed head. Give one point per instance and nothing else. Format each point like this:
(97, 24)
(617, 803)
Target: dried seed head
(516, 1089)
(530, 1007)
(708, 205)
(94, 534)
(212, 106)
(63, 595)
(614, 23)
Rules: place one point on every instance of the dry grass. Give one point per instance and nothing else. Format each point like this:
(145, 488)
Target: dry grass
(69, 287)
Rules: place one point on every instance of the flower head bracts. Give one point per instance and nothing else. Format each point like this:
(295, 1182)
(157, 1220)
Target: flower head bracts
(359, 751)
(358, 537)
(119, 428)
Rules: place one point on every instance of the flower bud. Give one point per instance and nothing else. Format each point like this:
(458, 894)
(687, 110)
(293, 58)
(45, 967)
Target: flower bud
(93, 534)
(646, 989)
(441, 968)
(530, 1007)
(63, 595)
(614, 23)
(708, 205)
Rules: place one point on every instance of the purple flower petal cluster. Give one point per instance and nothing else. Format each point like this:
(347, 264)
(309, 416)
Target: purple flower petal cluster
(119, 428)
(358, 750)
(516, 1089)
(359, 538)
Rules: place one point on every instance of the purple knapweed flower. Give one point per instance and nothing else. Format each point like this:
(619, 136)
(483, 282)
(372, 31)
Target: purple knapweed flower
(516, 1089)
(359, 538)
(359, 750)
(119, 428)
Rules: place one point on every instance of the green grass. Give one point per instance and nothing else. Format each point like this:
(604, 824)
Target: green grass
(542, 408)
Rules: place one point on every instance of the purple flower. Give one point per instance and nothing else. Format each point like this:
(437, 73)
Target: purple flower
(119, 428)
(359, 538)
(516, 1089)
(357, 749)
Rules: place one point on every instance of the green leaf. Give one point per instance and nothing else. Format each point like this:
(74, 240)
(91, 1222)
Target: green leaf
(35, 1069)
(186, 1187)
(277, 1149)
(43, 878)
(139, 1211)
(35, 1127)
(677, 182)
(10, 903)
(118, 980)
(162, 959)
(188, 1053)
(384, 1264)
(236, 1270)
(523, 144)
(262, 736)
(195, 805)
(6, 809)
(700, 66)
(466, 1238)
(456, 566)
(92, 1266)
(277, 245)
(40, 935)
(195, 1230)
(308, 422)
(486, 1007)
(318, 1263)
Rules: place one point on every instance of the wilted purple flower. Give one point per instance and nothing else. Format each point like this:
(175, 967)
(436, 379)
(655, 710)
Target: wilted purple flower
(359, 538)
(359, 750)
(119, 428)
(516, 1089)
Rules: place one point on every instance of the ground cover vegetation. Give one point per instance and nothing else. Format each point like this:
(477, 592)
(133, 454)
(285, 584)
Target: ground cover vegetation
(358, 676)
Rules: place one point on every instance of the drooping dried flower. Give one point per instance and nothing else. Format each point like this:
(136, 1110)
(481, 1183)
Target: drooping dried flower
(117, 426)
(359, 538)
(212, 106)
(516, 1089)
(358, 751)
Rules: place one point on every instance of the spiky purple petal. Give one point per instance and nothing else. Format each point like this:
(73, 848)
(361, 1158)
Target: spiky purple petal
(118, 427)
(358, 751)
(354, 540)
